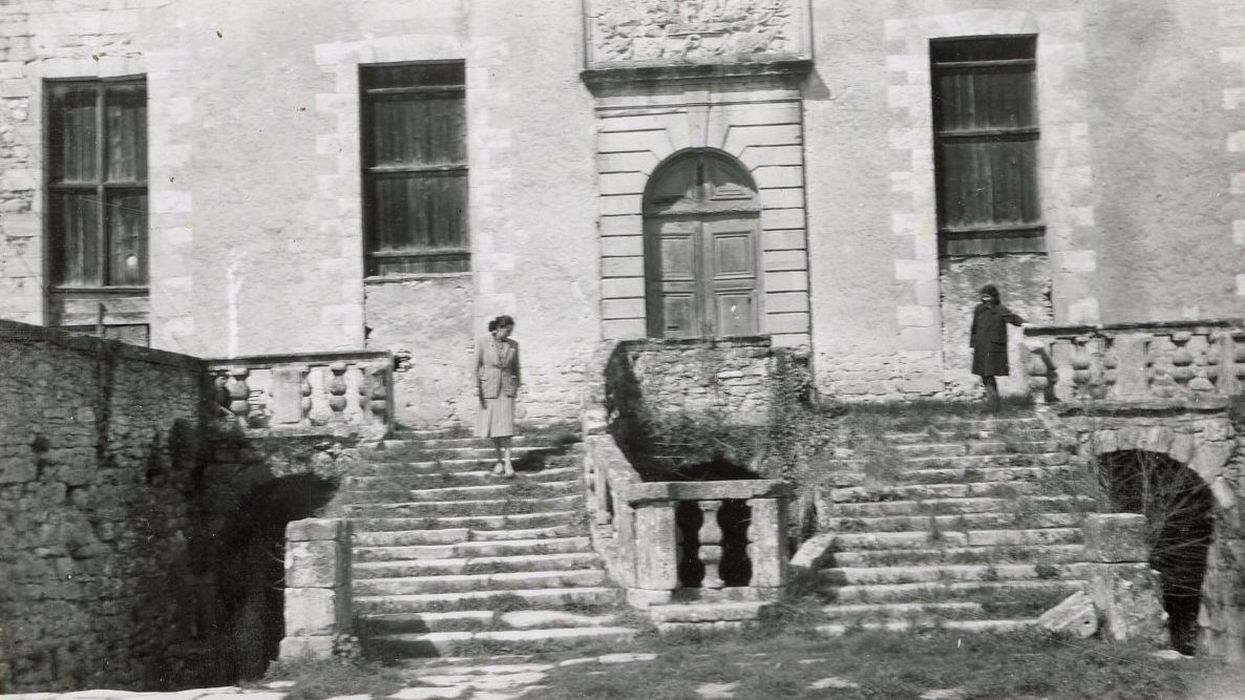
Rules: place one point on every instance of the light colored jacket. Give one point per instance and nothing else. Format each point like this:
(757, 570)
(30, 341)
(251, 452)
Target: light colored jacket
(497, 367)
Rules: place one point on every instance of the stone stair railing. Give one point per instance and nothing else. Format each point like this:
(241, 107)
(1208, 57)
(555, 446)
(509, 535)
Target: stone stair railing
(668, 540)
(305, 393)
(1131, 362)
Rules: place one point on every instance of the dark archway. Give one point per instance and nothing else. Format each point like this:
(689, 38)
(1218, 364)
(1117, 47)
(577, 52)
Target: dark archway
(252, 584)
(1178, 507)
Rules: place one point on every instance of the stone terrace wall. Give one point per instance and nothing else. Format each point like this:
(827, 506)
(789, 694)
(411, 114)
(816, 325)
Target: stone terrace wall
(728, 377)
(97, 471)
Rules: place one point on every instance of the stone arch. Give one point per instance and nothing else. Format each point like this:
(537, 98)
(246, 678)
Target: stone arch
(1199, 451)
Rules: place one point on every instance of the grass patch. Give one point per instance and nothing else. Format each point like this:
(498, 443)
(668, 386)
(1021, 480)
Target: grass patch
(876, 665)
(315, 679)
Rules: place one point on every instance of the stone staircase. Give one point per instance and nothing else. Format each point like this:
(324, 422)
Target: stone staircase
(449, 558)
(973, 524)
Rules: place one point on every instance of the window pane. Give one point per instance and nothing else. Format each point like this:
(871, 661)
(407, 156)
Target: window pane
(984, 182)
(419, 211)
(426, 130)
(984, 100)
(126, 112)
(420, 264)
(127, 234)
(412, 75)
(73, 140)
(75, 239)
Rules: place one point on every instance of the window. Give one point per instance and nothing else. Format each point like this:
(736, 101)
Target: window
(97, 184)
(414, 152)
(985, 145)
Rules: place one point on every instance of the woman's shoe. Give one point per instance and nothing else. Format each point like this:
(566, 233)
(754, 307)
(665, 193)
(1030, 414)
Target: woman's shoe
(509, 470)
(498, 469)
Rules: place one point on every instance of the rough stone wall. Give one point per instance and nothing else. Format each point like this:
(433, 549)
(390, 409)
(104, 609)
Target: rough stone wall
(97, 475)
(727, 378)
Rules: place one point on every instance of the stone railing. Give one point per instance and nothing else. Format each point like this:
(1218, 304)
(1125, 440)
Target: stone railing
(635, 33)
(1181, 361)
(317, 588)
(314, 392)
(675, 540)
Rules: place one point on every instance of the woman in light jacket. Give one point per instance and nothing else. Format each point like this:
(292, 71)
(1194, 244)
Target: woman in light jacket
(497, 382)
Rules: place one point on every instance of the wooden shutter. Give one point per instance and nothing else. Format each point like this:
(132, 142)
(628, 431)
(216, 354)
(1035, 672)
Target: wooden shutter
(986, 136)
(415, 168)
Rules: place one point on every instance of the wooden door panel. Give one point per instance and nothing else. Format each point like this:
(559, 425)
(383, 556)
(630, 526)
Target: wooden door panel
(736, 313)
(733, 255)
(680, 315)
(678, 257)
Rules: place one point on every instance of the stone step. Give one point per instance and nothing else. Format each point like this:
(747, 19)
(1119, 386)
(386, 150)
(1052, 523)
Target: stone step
(498, 506)
(952, 523)
(947, 434)
(471, 550)
(844, 576)
(462, 583)
(930, 556)
(474, 522)
(706, 612)
(408, 451)
(966, 591)
(1011, 459)
(478, 621)
(956, 506)
(968, 538)
(875, 612)
(1039, 474)
(490, 600)
(541, 489)
(477, 565)
(445, 643)
(432, 466)
(905, 492)
(974, 447)
(982, 626)
(426, 476)
(448, 536)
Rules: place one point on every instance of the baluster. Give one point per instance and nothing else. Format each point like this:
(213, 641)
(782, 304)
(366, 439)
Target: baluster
(1158, 360)
(306, 391)
(710, 537)
(1038, 376)
(1081, 363)
(1061, 355)
(364, 388)
(1238, 355)
(337, 389)
(1182, 360)
(1110, 366)
(1205, 365)
(379, 374)
(239, 392)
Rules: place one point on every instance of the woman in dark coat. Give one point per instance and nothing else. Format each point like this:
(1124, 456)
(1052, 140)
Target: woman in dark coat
(988, 338)
(497, 382)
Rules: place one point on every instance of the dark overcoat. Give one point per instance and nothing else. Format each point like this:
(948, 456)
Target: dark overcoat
(988, 338)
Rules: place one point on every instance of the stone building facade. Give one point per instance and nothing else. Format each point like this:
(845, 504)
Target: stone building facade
(630, 169)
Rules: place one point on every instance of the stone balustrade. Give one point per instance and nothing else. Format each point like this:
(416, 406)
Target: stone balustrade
(1131, 362)
(347, 392)
(317, 588)
(670, 540)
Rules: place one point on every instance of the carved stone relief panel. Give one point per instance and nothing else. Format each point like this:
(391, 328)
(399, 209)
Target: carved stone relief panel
(694, 31)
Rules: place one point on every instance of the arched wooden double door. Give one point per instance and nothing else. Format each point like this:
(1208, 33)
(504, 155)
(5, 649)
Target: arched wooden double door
(702, 248)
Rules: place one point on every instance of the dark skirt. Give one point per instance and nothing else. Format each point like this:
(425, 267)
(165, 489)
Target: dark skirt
(990, 362)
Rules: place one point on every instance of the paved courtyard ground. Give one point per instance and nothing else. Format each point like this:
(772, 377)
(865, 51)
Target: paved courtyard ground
(916, 666)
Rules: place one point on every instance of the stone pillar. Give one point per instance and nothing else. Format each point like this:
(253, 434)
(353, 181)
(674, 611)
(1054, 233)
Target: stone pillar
(1122, 585)
(317, 587)
(767, 543)
(656, 556)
